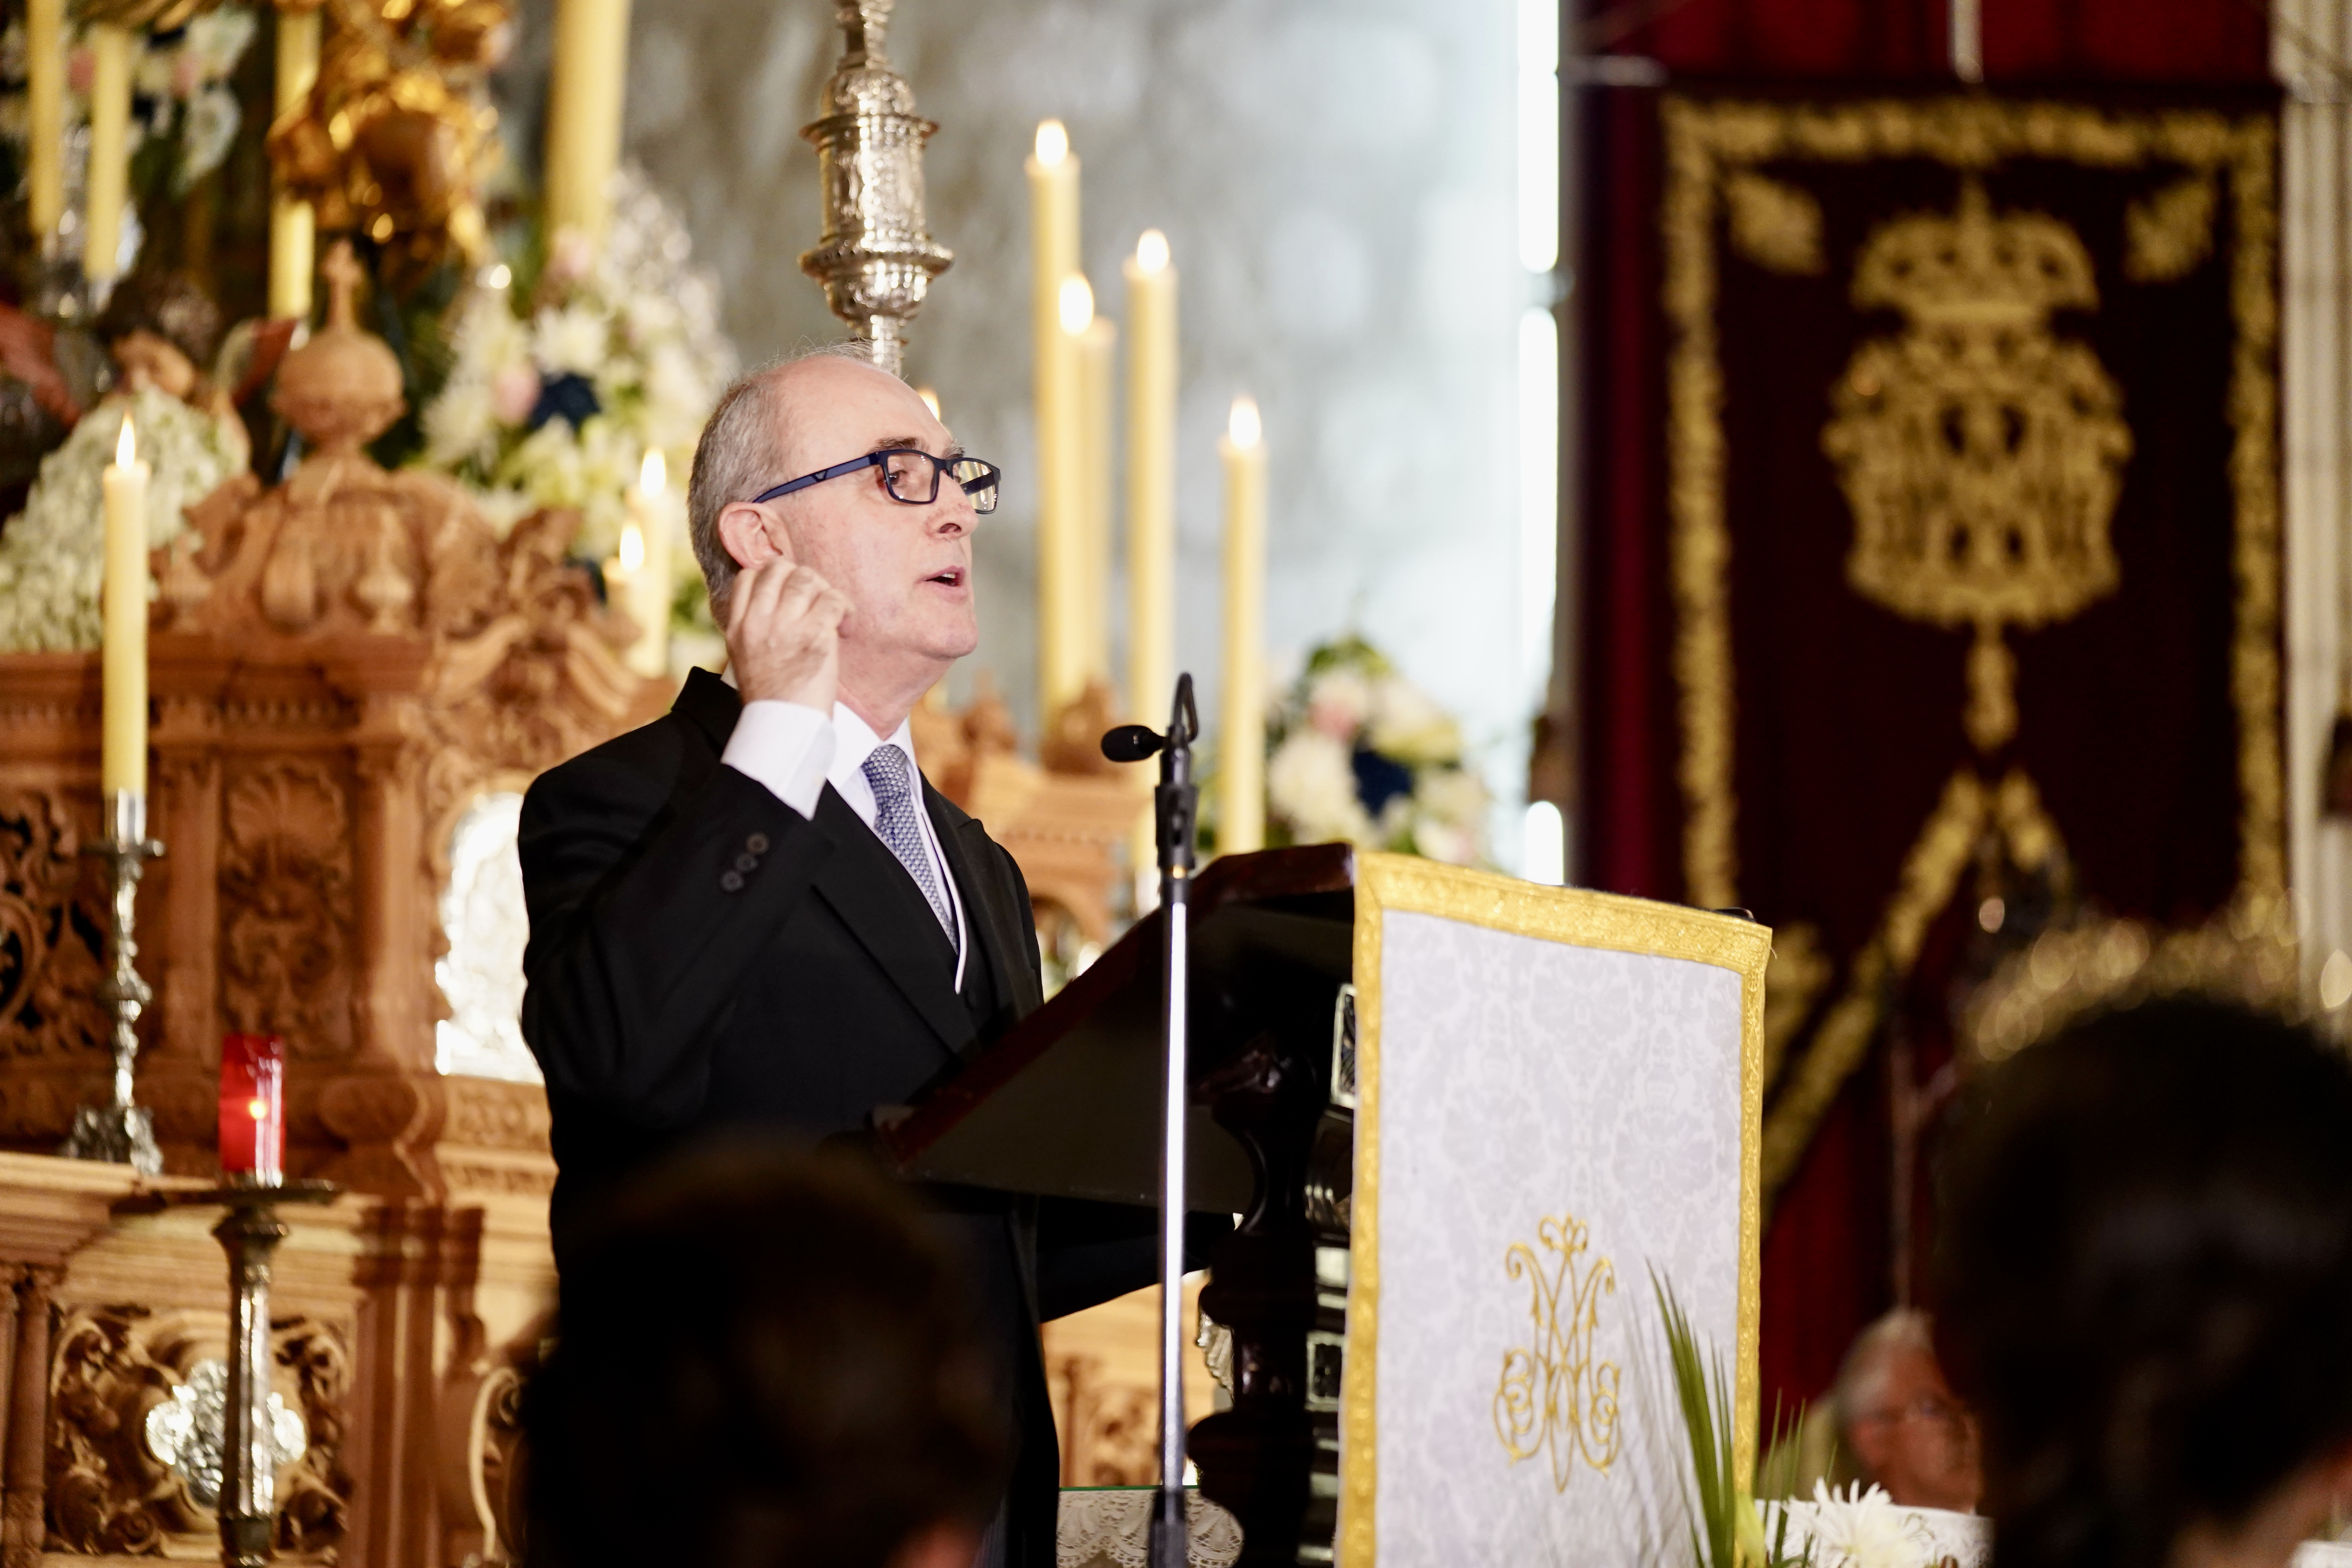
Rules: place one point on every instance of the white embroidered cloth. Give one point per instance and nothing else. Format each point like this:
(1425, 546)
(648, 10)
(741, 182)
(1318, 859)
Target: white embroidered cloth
(1110, 1527)
(1965, 1539)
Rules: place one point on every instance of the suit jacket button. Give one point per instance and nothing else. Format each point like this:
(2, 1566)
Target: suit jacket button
(757, 843)
(731, 881)
(747, 862)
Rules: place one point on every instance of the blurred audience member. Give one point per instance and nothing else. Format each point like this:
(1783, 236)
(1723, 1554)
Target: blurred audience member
(1900, 1422)
(764, 1361)
(2147, 1289)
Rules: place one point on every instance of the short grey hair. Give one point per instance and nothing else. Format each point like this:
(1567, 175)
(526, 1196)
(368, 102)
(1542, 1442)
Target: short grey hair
(740, 455)
(1860, 1385)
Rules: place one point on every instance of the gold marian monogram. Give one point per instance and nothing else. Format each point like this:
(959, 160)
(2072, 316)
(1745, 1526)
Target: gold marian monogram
(1552, 1397)
(1981, 453)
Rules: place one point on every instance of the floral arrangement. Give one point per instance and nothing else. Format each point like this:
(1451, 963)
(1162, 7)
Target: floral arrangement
(182, 97)
(1863, 1528)
(1726, 1530)
(559, 388)
(53, 553)
(1361, 753)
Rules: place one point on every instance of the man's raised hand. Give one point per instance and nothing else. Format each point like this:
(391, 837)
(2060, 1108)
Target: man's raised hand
(783, 633)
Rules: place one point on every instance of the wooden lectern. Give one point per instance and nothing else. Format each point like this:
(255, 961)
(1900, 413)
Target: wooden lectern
(1465, 1119)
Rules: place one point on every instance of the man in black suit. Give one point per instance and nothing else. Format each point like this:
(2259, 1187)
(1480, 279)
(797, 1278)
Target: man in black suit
(755, 913)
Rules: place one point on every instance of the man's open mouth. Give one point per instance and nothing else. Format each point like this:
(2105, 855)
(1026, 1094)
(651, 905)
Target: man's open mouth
(952, 578)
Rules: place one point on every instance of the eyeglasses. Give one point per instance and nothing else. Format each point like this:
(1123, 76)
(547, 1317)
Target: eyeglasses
(908, 476)
(1928, 1408)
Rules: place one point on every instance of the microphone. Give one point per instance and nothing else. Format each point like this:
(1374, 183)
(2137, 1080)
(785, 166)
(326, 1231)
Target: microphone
(1131, 743)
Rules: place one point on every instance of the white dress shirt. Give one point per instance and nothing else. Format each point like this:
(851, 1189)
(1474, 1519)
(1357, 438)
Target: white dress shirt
(796, 750)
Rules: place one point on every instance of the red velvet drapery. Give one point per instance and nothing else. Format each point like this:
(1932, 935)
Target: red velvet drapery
(1827, 1252)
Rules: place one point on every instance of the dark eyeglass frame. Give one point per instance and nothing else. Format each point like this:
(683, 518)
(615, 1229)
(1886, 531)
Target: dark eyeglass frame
(981, 489)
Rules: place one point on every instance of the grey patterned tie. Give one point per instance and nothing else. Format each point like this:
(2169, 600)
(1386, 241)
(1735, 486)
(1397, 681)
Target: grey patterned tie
(890, 773)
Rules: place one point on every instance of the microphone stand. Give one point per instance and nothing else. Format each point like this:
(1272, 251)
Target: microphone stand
(1175, 804)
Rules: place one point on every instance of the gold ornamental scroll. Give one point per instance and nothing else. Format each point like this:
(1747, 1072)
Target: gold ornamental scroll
(1392, 884)
(1978, 445)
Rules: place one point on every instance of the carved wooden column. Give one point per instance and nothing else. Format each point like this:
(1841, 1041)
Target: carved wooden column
(24, 1523)
(177, 1071)
(12, 1275)
(381, 676)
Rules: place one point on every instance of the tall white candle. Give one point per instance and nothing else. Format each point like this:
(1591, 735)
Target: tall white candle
(1151, 378)
(646, 567)
(109, 148)
(1055, 305)
(293, 232)
(45, 115)
(1098, 350)
(122, 601)
(584, 113)
(1241, 756)
(1062, 551)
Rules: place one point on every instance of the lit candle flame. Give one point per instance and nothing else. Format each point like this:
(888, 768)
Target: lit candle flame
(126, 449)
(633, 547)
(257, 1109)
(653, 476)
(931, 399)
(1151, 251)
(1052, 143)
(1242, 427)
(1077, 305)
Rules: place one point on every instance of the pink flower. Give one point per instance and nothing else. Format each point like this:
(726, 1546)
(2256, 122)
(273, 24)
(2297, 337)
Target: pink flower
(514, 393)
(569, 259)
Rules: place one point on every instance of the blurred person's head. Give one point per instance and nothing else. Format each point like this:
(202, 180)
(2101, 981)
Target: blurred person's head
(763, 1360)
(1905, 1429)
(2146, 1283)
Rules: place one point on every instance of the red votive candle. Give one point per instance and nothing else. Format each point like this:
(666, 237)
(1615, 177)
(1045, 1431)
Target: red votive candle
(253, 1107)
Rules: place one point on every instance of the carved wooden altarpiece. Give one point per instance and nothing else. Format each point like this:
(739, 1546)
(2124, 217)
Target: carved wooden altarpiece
(340, 667)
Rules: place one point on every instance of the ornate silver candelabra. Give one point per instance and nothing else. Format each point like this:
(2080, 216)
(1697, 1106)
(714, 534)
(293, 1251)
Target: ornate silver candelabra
(874, 257)
(250, 1450)
(121, 1132)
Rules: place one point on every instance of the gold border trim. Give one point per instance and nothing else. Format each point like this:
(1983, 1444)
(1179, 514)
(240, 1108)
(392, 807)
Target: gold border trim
(1605, 922)
(1710, 140)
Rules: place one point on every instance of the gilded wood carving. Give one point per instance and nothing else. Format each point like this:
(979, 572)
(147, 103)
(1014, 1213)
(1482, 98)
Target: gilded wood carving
(109, 1490)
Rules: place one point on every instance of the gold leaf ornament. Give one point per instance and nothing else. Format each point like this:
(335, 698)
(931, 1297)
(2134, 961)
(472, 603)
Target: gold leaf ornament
(1775, 225)
(1981, 453)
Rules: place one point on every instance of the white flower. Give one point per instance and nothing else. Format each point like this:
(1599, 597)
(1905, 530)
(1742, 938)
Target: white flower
(1338, 702)
(573, 338)
(1408, 726)
(502, 508)
(206, 132)
(1450, 816)
(1865, 1530)
(1311, 786)
(460, 425)
(52, 556)
(216, 40)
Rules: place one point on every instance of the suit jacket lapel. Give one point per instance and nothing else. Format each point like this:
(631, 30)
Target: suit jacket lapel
(989, 903)
(859, 888)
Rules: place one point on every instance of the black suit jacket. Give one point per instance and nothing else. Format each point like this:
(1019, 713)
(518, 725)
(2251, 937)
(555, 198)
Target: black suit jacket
(703, 959)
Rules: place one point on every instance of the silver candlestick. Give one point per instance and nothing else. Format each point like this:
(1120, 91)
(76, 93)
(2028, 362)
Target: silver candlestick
(874, 257)
(120, 1132)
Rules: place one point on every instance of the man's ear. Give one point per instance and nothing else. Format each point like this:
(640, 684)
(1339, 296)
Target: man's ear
(751, 536)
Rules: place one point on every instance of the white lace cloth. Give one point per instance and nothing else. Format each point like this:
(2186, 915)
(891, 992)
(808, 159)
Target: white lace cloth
(1110, 1527)
(1965, 1539)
